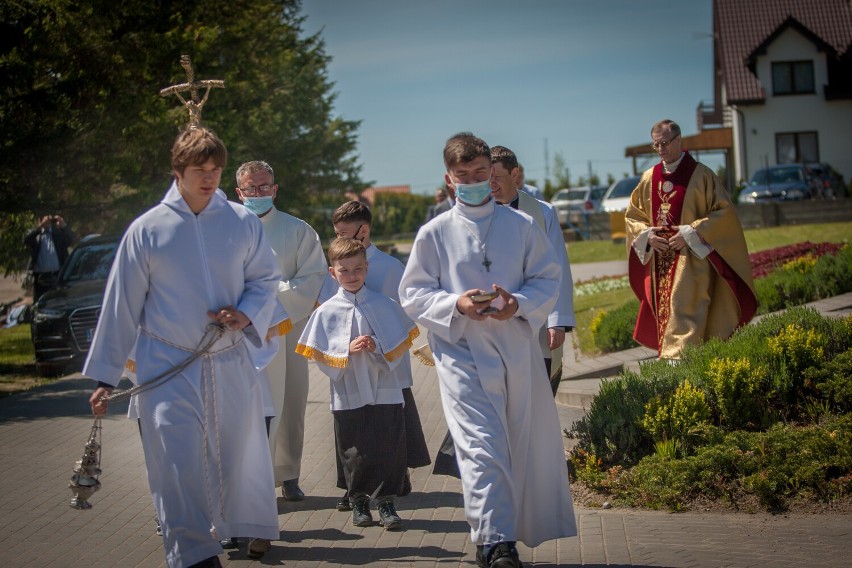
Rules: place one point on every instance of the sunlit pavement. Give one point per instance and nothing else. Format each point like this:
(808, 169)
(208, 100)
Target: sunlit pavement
(42, 433)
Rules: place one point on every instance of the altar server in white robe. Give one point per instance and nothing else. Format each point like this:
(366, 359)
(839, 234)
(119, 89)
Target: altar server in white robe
(494, 390)
(192, 260)
(505, 178)
(561, 320)
(299, 253)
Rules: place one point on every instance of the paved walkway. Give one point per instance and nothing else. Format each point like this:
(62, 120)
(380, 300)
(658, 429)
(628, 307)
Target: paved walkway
(42, 433)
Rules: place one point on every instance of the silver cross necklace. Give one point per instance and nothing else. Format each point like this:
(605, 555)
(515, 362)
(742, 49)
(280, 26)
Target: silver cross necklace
(483, 243)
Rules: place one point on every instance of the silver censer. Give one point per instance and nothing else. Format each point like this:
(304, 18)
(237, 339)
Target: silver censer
(85, 482)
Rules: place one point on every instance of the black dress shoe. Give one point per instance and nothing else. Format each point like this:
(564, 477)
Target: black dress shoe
(504, 556)
(343, 503)
(229, 543)
(290, 490)
(480, 557)
(212, 562)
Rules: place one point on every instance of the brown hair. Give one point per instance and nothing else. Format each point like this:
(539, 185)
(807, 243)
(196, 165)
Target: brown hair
(464, 147)
(344, 247)
(505, 157)
(352, 212)
(195, 146)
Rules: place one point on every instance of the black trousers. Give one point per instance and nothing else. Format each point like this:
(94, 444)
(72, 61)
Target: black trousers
(371, 447)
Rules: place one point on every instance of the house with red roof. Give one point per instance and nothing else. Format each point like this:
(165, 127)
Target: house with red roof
(782, 86)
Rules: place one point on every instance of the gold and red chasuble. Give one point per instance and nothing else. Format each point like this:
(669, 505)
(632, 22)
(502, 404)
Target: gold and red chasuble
(667, 193)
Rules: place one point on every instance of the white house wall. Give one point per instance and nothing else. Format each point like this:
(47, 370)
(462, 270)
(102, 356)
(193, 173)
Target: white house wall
(832, 120)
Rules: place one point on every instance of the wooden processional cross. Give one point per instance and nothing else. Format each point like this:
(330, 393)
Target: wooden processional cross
(192, 104)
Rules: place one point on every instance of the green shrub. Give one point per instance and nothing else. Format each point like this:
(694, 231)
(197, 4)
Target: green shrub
(586, 468)
(832, 274)
(395, 213)
(795, 365)
(834, 381)
(775, 466)
(612, 428)
(805, 280)
(738, 388)
(613, 330)
(677, 421)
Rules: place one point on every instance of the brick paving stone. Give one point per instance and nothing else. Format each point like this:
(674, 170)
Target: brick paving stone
(42, 433)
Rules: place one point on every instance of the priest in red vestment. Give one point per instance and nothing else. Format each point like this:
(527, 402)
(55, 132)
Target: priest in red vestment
(688, 259)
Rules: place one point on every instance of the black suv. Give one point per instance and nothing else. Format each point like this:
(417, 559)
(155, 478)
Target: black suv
(65, 317)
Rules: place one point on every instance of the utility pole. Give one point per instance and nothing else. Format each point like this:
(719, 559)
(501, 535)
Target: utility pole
(546, 162)
(590, 173)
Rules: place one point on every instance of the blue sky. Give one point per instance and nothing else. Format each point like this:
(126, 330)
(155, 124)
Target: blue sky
(582, 78)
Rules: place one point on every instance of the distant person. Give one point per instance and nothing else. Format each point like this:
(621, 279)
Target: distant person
(445, 204)
(192, 261)
(504, 182)
(354, 220)
(440, 195)
(688, 261)
(359, 358)
(530, 189)
(300, 258)
(483, 280)
(48, 244)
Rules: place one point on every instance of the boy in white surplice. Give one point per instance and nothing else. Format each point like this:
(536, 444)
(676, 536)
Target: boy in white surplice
(357, 337)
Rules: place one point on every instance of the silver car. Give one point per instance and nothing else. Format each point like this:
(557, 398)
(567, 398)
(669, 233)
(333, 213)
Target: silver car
(571, 204)
(617, 197)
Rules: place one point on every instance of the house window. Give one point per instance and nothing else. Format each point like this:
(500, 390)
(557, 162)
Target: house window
(796, 147)
(793, 77)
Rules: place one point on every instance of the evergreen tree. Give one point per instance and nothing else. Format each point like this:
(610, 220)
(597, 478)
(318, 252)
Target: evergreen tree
(86, 134)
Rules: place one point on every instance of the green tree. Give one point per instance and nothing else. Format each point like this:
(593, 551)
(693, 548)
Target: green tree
(561, 174)
(86, 134)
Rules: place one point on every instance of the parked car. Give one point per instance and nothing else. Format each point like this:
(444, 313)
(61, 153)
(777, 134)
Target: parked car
(577, 200)
(65, 317)
(784, 182)
(828, 183)
(617, 197)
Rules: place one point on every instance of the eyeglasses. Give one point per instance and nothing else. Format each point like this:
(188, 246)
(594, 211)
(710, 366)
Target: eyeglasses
(255, 190)
(354, 235)
(663, 143)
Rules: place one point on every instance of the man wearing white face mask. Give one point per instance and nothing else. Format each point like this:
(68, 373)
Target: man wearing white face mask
(300, 257)
(482, 280)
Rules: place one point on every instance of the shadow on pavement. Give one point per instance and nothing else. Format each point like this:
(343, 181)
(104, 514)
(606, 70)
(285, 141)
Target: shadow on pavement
(67, 397)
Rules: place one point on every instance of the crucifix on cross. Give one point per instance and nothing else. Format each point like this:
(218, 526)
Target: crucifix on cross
(192, 104)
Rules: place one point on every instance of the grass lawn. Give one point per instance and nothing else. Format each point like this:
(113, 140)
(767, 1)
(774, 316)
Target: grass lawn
(586, 307)
(17, 361)
(756, 240)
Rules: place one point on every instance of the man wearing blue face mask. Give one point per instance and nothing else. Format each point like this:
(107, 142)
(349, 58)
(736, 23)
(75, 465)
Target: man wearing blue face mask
(482, 279)
(300, 257)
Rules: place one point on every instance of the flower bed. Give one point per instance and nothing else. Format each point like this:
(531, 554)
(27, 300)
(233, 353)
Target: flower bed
(599, 285)
(784, 277)
(766, 261)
